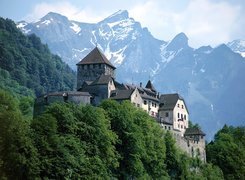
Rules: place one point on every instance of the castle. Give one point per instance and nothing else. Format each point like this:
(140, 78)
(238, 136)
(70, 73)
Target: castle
(96, 81)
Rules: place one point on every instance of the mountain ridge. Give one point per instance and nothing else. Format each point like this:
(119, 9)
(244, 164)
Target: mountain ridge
(199, 75)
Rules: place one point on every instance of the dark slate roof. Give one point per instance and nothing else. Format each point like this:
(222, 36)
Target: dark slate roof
(96, 57)
(150, 86)
(121, 94)
(144, 92)
(145, 96)
(120, 86)
(194, 131)
(102, 80)
(168, 101)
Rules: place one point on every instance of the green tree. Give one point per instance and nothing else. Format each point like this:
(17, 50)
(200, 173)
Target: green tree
(227, 152)
(141, 146)
(30, 63)
(172, 156)
(18, 157)
(75, 142)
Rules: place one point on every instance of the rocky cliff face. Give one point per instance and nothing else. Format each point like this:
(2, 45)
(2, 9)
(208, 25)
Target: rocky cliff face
(210, 79)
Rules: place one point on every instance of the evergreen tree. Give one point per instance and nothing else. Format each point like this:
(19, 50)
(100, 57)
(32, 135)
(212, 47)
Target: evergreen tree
(227, 151)
(18, 156)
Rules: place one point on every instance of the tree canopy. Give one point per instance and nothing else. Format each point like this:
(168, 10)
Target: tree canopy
(26, 63)
(228, 151)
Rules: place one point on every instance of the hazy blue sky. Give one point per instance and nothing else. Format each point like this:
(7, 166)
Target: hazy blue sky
(205, 22)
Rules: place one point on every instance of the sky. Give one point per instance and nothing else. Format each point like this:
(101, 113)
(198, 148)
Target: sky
(205, 22)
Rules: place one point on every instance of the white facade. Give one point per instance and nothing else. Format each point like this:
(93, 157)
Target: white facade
(150, 106)
(180, 116)
(136, 98)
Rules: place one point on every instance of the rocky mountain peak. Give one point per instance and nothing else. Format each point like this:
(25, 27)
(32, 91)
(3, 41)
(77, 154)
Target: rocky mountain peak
(237, 46)
(178, 42)
(118, 16)
(52, 16)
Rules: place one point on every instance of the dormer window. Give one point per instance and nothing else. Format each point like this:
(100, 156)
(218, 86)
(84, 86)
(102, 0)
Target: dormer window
(161, 105)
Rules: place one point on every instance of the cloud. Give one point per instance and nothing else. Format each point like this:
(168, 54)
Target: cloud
(65, 8)
(207, 22)
(204, 21)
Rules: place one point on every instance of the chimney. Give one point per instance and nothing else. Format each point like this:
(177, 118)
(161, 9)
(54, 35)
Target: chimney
(140, 84)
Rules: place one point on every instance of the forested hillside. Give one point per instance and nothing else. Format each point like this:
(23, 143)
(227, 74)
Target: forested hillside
(27, 63)
(228, 151)
(113, 141)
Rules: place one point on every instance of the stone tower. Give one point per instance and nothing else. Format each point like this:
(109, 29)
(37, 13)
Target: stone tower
(93, 66)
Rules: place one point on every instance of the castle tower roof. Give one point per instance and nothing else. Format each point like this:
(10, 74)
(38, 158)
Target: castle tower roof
(150, 86)
(96, 57)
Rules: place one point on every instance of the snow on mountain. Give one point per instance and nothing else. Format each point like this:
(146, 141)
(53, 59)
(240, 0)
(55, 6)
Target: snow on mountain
(210, 79)
(75, 27)
(237, 46)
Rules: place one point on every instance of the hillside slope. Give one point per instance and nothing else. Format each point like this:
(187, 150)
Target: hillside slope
(29, 63)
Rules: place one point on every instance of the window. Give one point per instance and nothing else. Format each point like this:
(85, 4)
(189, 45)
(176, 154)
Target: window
(178, 105)
(138, 105)
(165, 127)
(178, 125)
(181, 116)
(169, 128)
(161, 105)
(152, 113)
(185, 117)
(182, 106)
(166, 114)
(181, 126)
(178, 115)
(145, 102)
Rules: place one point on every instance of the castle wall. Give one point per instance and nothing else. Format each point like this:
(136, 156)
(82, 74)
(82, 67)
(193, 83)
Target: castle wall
(194, 148)
(166, 116)
(90, 72)
(100, 93)
(42, 102)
